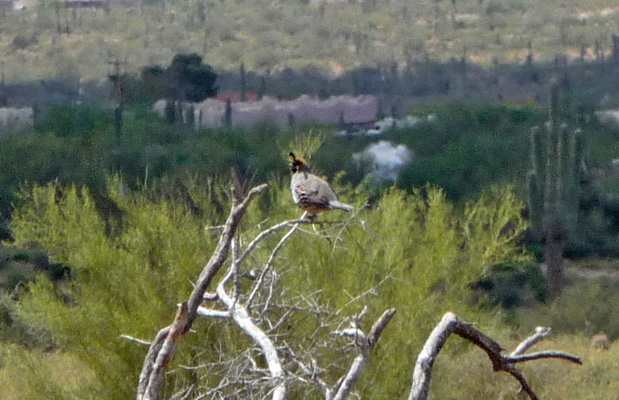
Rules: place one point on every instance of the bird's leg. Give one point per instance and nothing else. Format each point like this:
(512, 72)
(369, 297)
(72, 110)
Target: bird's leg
(313, 218)
(324, 233)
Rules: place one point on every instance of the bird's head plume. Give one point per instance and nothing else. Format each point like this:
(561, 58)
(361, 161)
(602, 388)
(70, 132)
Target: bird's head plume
(298, 163)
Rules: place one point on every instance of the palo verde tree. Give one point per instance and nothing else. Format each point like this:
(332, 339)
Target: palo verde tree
(554, 186)
(306, 291)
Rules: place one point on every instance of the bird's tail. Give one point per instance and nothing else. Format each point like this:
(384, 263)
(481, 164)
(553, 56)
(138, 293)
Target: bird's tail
(336, 205)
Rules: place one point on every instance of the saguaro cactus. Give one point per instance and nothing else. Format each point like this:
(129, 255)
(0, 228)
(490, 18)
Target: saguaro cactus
(554, 187)
(243, 83)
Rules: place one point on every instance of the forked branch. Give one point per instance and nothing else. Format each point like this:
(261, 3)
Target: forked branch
(450, 323)
(342, 389)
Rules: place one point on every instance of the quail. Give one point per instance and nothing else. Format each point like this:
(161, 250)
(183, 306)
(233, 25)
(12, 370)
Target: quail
(311, 193)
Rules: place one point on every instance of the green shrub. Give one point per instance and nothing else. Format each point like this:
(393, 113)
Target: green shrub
(130, 283)
(513, 286)
(467, 148)
(14, 279)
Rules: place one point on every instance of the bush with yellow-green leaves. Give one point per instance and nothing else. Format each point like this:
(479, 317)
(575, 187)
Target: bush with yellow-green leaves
(129, 272)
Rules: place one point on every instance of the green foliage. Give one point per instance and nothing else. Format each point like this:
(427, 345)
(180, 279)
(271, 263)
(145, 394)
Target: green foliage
(77, 144)
(75, 120)
(12, 330)
(466, 148)
(513, 286)
(418, 253)
(88, 314)
(191, 79)
(274, 36)
(583, 309)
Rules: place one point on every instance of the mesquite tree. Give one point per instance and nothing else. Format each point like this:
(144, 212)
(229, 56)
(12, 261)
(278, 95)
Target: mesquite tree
(554, 187)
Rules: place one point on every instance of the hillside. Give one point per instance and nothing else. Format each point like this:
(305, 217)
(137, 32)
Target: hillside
(48, 39)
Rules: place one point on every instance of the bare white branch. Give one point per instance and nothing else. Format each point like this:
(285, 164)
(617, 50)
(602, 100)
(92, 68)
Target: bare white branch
(295, 226)
(210, 297)
(132, 339)
(344, 387)
(264, 234)
(208, 313)
(242, 318)
(352, 332)
(543, 354)
(539, 335)
(163, 347)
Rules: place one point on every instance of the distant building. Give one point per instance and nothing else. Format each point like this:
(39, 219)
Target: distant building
(235, 97)
(345, 111)
(12, 118)
(11, 5)
(96, 4)
(87, 4)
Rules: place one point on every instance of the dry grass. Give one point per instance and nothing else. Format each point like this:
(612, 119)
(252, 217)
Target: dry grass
(17, 367)
(468, 375)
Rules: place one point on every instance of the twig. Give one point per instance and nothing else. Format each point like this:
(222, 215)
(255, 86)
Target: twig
(272, 257)
(543, 354)
(132, 339)
(538, 336)
(264, 234)
(371, 290)
(244, 321)
(344, 226)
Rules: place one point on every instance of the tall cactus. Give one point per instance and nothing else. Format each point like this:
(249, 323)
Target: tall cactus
(243, 82)
(554, 187)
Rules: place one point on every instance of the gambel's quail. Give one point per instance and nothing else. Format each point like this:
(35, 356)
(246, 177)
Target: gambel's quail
(311, 193)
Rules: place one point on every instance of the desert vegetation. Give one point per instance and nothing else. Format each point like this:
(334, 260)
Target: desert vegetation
(48, 39)
(144, 255)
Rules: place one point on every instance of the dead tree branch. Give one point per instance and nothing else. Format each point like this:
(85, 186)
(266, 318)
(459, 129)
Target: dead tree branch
(221, 252)
(539, 335)
(246, 376)
(241, 313)
(136, 340)
(163, 347)
(241, 316)
(264, 234)
(295, 225)
(450, 323)
(157, 362)
(240, 310)
(366, 344)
